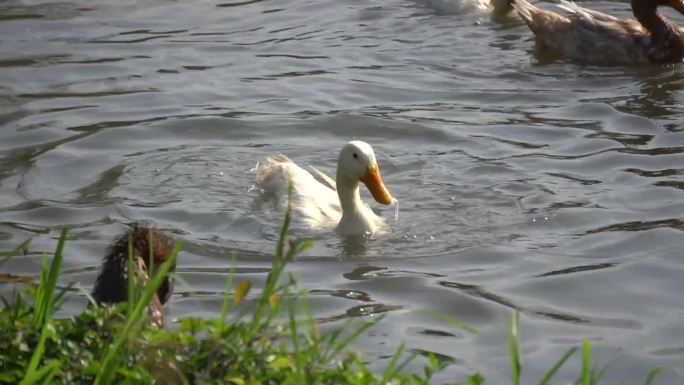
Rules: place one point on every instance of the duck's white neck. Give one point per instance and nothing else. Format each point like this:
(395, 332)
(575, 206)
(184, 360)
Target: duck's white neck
(348, 192)
(357, 218)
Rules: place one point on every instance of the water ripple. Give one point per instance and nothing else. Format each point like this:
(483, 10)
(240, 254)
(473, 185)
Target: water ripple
(531, 185)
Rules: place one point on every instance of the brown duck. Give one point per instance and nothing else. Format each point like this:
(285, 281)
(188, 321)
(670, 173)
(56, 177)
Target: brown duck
(593, 37)
(111, 285)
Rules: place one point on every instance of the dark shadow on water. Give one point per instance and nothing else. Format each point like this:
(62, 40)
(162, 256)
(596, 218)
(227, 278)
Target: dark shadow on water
(363, 272)
(673, 223)
(355, 295)
(98, 191)
(360, 311)
(238, 3)
(480, 292)
(543, 311)
(577, 269)
(436, 333)
(442, 358)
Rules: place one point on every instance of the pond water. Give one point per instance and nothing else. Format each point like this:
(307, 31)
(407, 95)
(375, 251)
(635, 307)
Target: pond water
(542, 186)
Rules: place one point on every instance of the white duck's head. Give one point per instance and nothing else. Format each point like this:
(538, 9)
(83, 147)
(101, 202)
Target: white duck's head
(357, 163)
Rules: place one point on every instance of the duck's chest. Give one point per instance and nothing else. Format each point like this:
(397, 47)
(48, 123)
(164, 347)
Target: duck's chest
(668, 48)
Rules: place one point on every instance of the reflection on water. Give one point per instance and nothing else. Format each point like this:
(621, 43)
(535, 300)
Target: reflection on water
(527, 184)
(660, 97)
(579, 269)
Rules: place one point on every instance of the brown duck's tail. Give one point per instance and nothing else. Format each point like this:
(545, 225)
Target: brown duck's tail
(525, 10)
(539, 20)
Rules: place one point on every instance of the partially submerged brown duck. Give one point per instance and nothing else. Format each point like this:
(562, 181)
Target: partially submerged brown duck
(111, 285)
(592, 37)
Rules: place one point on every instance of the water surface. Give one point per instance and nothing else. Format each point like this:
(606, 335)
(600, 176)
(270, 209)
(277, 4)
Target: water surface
(546, 187)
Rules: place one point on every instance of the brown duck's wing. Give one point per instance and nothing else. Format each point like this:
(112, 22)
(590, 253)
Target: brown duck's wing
(540, 21)
(609, 36)
(613, 42)
(599, 38)
(586, 13)
(600, 24)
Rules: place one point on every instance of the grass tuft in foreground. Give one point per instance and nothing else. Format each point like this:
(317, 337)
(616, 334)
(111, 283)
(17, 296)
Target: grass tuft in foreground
(273, 341)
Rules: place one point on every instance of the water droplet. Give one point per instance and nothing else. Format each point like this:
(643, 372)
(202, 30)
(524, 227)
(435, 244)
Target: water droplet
(253, 169)
(396, 210)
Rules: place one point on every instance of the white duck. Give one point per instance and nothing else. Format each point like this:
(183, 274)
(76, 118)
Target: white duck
(336, 202)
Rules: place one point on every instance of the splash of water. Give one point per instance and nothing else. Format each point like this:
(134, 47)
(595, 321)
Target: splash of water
(396, 210)
(253, 169)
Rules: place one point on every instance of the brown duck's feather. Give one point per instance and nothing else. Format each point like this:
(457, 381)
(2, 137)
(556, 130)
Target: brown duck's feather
(150, 249)
(539, 20)
(597, 38)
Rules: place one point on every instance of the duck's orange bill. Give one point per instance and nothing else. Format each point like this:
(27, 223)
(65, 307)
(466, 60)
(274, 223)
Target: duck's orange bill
(373, 181)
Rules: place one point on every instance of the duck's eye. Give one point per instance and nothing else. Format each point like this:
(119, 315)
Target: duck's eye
(356, 156)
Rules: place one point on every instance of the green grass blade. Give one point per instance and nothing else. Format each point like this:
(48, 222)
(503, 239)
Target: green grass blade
(150, 249)
(38, 306)
(132, 279)
(601, 373)
(31, 371)
(56, 266)
(6, 256)
(328, 341)
(347, 340)
(46, 372)
(586, 363)
(476, 379)
(298, 248)
(50, 371)
(312, 335)
(401, 366)
(513, 348)
(5, 303)
(552, 372)
(298, 354)
(44, 306)
(389, 372)
(286, 224)
(60, 298)
(226, 298)
(652, 374)
(277, 268)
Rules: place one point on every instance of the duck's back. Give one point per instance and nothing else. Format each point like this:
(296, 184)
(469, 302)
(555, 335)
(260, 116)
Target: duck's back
(600, 36)
(586, 35)
(313, 203)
